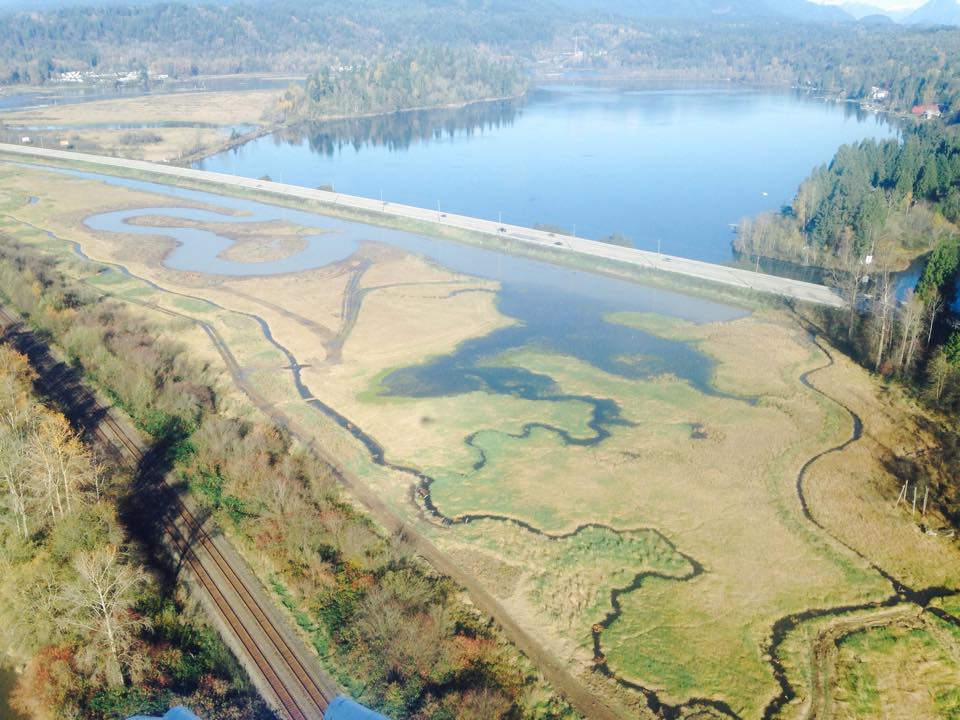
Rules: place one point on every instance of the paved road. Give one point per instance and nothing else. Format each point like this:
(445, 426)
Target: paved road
(796, 289)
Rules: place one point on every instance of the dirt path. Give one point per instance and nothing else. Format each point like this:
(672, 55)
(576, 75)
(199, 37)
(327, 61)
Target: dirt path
(825, 652)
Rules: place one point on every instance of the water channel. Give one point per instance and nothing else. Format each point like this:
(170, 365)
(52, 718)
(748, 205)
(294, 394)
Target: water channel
(667, 165)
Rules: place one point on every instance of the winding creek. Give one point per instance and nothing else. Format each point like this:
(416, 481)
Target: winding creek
(530, 292)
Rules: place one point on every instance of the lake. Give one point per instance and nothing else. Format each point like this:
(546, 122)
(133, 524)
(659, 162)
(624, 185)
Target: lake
(674, 165)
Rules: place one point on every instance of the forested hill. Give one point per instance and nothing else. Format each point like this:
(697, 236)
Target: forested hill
(712, 9)
(430, 77)
(844, 61)
(297, 36)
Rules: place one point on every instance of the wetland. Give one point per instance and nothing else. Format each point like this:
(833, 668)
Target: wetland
(619, 462)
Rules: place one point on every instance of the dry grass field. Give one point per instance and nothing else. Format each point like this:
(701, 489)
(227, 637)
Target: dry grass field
(142, 128)
(693, 505)
(211, 108)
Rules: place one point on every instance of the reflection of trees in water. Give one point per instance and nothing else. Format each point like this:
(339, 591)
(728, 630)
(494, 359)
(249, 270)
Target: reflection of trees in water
(398, 131)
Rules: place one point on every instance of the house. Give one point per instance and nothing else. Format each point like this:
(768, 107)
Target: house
(25, 140)
(878, 93)
(927, 111)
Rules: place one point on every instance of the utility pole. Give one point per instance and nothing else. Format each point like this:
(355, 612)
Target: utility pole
(902, 496)
(926, 492)
(914, 511)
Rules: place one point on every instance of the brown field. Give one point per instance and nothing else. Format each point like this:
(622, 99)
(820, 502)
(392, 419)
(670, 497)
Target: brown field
(699, 480)
(211, 116)
(212, 108)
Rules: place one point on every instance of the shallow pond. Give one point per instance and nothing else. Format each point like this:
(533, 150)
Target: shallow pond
(559, 309)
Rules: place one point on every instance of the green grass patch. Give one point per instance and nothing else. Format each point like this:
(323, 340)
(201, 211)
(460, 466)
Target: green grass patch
(193, 305)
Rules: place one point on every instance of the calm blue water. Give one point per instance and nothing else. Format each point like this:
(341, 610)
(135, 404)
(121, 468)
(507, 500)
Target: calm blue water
(200, 250)
(679, 165)
(197, 252)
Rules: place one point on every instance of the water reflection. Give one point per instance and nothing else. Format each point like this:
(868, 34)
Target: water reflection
(398, 131)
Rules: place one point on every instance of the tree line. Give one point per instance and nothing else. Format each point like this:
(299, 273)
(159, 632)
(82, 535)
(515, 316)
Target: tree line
(874, 208)
(80, 602)
(887, 198)
(914, 65)
(397, 636)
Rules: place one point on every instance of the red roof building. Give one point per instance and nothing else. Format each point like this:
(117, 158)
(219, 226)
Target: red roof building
(928, 111)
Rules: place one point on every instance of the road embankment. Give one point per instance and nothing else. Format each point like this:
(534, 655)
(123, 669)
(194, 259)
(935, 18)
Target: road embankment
(537, 239)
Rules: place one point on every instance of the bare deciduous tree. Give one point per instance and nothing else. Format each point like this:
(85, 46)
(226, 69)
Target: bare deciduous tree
(14, 464)
(99, 604)
(61, 463)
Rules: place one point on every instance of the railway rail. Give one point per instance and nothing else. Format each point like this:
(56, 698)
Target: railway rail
(302, 693)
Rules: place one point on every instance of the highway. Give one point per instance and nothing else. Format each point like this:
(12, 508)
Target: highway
(746, 279)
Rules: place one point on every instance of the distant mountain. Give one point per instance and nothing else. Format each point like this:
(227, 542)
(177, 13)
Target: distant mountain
(803, 10)
(706, 9)
(862, 10)
(936, 12)
(877, 19)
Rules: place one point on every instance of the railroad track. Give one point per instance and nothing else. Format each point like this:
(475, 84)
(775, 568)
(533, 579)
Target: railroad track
(302, 694)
